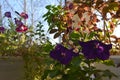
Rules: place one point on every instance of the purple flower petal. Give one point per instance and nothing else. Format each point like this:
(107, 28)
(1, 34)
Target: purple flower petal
(95, 49)
(62, 54)
(2, 29)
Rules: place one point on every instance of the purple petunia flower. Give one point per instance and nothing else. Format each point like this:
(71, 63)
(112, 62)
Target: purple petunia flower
(8, 14)
(18, 22)
(62, 54)
(2, 29)
(95, 49)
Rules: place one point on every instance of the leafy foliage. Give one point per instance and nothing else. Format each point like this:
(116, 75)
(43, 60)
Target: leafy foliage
(78, 20)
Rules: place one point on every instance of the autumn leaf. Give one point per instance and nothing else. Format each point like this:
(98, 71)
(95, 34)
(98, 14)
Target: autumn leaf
(53, 31)
(57, 35)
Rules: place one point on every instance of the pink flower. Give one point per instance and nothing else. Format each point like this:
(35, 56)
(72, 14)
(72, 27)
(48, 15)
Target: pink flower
(22, 28)
(24, 15)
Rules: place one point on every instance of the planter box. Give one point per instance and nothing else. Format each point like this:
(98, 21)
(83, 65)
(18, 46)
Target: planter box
(115, 70)
(11, 68)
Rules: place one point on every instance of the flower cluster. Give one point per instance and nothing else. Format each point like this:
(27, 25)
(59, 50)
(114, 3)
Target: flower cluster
(95, 49)
(20, 26)
(62, 54)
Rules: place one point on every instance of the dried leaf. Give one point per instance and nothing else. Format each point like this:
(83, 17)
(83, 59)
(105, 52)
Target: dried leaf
(57, 35)
(53, 31)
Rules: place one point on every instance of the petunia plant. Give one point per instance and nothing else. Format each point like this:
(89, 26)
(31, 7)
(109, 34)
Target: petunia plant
(13, 36)
(84, 41)
(17, 39)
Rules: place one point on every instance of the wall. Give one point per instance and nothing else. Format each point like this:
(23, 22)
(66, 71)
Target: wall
(11, 68)
(115, 70)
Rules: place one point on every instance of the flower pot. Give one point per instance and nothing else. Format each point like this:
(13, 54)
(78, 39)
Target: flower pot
(11, 68)
(116, 69)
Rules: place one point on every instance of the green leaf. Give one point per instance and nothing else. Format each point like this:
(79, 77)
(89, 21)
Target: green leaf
(92, 34)
(46, 15)
(108, 62)
(54, 73)
(2, 35)
(48, 47)
(108, 73)
(74, 35)
(76, 61)
(48, 7)
(44, 76)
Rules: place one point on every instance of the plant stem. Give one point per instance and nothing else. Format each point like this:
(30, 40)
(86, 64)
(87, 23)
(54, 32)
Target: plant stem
(106, 29)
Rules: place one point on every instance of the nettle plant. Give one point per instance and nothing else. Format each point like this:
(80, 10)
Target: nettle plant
(83, 43)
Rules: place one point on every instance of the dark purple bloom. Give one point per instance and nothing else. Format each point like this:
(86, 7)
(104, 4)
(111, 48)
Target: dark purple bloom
(71, 6)
(7, 14)
(18, 22)
(2, 29)
(62, 54)
(95, 49)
